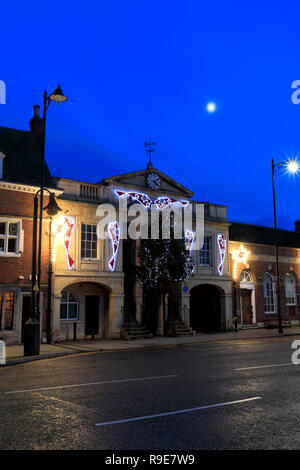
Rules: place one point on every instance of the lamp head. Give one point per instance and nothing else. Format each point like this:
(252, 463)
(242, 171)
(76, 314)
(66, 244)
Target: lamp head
(57, 95)
(293, 166)
(52, 207)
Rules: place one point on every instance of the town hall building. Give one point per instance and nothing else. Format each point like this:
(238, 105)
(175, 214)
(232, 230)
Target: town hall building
(89, 287)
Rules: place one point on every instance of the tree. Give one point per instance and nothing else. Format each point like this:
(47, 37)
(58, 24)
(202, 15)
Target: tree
(163, 263)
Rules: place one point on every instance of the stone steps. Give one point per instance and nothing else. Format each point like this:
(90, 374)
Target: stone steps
(178, 328)
(134, 330)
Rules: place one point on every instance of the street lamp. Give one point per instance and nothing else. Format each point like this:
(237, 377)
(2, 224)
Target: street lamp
(291, 166)
(31, 327)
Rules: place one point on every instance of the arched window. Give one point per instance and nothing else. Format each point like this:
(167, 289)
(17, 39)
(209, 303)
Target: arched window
(269, 294)
(68, 306)
(290, 289)
(246, 276)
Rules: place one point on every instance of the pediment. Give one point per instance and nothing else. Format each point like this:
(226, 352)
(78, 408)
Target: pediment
(138, 180)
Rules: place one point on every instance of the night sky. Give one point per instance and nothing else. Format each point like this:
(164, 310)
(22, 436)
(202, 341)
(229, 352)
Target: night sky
(137, 69)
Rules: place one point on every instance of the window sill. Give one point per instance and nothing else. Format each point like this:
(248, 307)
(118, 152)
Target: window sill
(10, 255)
(69, 320)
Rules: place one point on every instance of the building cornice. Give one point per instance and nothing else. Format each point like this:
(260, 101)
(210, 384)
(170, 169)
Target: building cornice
(25, 188)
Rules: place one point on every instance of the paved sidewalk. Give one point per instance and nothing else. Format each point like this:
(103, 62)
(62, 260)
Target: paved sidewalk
(14, 354)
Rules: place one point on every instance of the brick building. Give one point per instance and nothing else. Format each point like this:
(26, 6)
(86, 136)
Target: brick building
(19, 179)
(253, 271)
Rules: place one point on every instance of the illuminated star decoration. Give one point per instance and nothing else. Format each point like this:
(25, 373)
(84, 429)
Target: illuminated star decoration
(114, 235)
(222, 250)
(239, 256)
(63, 229)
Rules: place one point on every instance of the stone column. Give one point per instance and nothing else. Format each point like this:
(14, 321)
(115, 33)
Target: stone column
(226, 318)
(116, 307)
(55, 320)
(139, 302)
(160, 322)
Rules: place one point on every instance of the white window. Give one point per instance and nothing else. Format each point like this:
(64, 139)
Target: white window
(269, 293)
(205, 254)
(68, 306)
(88, 241)
(246, 277)
(290, 289)
(7, 307)
(11, 237)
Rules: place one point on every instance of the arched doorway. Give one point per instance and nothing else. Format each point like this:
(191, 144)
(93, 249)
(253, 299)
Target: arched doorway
(247, 298)
(206, 308)
(84, 308)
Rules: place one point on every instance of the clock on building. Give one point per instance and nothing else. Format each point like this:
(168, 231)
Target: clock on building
(153, 181)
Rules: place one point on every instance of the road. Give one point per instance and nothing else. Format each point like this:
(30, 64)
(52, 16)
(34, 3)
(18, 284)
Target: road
(198, 396)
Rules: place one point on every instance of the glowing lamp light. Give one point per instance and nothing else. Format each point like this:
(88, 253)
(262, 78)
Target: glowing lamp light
(293, 166)
(211, 107)
(239, 256)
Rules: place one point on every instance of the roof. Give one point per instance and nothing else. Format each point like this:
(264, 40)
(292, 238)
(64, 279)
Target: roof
(263, 235)
(22, 162)
(123, 177)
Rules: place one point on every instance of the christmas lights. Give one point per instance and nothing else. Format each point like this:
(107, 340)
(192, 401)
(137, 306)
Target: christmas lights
(239, 256)
(141, 198)
(165, 201)
(189, 239)
(222, 250)
(144, 199)
(114, 235)
(62, 228)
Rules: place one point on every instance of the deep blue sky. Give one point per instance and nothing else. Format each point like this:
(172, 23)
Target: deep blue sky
(136, 69)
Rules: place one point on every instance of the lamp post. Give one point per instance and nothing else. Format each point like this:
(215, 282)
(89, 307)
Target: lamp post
(32, 326)
(292, 166)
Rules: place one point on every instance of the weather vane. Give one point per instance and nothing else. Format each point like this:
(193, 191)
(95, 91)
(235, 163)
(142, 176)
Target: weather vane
(149, 149)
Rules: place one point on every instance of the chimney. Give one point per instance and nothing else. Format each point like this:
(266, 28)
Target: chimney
(297, 226)
(36, 122)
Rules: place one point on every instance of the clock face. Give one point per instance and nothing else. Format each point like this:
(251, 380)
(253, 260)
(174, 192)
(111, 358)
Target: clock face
(153, 181)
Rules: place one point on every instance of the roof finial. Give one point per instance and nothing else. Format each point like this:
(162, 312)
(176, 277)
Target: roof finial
(149, 149)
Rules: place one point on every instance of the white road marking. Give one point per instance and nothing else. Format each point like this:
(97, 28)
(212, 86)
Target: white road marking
(270, 365)
(168, 413)
(93, 383)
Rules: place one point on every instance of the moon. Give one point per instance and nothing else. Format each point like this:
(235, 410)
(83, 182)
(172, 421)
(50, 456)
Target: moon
(211, 107)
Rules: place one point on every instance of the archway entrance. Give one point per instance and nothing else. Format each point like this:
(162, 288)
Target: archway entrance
(205, 308)
(84, 310)
(247, 298)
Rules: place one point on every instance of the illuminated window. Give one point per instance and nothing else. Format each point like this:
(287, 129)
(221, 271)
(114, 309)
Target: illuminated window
(205, 254)
(7, 306)
(68, 306)
(88, 241)
(246, 277)
(269, 294)
(9, 237)
(290, 289)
